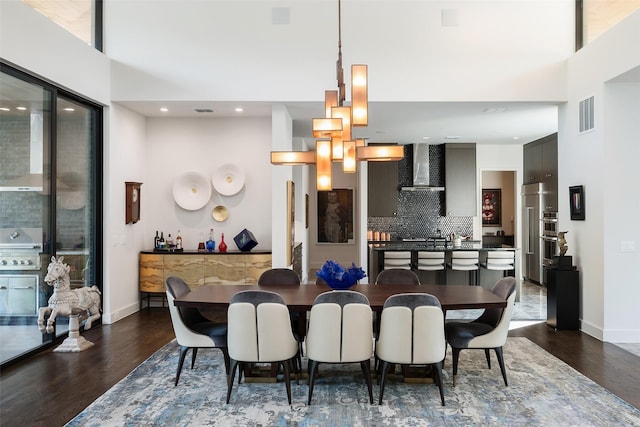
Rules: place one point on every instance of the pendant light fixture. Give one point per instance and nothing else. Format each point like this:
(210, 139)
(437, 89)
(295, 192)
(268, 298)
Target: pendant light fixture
(333, 133)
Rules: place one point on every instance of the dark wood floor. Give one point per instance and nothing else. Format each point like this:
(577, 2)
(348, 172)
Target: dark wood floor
(50, 388)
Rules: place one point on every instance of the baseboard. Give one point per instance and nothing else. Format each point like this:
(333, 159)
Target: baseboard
(622, 335)
(109, 318)
(593, 330)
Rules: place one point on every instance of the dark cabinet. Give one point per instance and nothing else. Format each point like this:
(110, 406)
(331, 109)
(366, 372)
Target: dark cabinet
(540, 164)
(460, 180)
(563, 298)
(382, 189)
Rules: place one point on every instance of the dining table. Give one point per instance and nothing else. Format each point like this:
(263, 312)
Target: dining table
(300, 298)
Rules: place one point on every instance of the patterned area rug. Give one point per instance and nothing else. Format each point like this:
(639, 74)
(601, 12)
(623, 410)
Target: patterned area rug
(543, 391)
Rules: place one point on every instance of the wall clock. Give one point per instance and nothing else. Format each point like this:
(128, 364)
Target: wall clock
(132, 208)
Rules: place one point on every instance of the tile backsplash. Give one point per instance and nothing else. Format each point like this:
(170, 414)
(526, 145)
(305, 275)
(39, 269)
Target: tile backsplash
(420, 212)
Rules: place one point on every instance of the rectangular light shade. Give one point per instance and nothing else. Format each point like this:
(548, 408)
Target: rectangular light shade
(337, 149)
(359, 95)
(349, 158)
(330, 100)
(343, 113)
(327, 127)
(323, 165)
(380, 153)
(293, 157)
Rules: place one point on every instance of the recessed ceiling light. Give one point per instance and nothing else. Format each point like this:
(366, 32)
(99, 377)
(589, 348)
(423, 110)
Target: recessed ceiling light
(21, 108)
(69, 109)
(239, 109)
(5, 109)
(452, 137)
(164, 109)
(425, 137)
(516, 137)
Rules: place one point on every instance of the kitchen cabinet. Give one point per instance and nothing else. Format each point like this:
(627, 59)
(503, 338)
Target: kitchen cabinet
(540, 164)
(460, 180)
(382, 189)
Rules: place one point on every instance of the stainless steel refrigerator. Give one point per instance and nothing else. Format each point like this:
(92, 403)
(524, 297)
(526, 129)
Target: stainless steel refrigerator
(532, 231)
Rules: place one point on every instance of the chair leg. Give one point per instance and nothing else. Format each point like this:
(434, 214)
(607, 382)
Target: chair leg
(487, 354)
(193, 356)
(313, 367)
(183, 353)
(498, 351)
(384, 369)
(456, 354)
(225, 355)
(366, 370)
(232, 374)
(437, 370)
(286, 367)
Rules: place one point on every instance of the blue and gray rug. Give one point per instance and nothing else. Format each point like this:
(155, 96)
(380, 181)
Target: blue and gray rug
(543, 391)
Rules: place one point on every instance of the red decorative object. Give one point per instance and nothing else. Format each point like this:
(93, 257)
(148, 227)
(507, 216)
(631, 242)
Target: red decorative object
(222, 247)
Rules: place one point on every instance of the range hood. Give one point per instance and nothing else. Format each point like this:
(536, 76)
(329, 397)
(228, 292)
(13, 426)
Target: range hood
(420, 171)
(31, 178)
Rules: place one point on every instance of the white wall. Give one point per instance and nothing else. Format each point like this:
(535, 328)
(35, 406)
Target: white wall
(603, 162)
(174, 146)
(123, 161)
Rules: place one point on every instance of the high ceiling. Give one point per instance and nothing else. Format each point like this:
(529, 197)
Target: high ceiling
(482, 123)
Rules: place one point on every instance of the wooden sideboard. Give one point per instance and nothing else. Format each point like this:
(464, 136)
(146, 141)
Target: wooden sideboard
(198, 269)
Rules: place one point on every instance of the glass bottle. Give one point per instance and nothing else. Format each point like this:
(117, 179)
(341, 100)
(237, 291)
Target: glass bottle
(211, 243)
(156, 240)
(201, 247)
(179, 241)
(222, 247)
(169, 242)
(161, 241)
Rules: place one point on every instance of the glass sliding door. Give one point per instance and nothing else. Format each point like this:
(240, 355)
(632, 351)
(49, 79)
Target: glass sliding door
(50, 202)
(75, 155)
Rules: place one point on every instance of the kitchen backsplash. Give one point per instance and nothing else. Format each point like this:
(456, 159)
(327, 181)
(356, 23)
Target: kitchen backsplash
(420, 212)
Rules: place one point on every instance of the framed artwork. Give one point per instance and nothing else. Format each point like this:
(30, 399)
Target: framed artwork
(336, 216)
(132, 202)
(491, 206)
(576, 202)
(291, 221)
(306, 211)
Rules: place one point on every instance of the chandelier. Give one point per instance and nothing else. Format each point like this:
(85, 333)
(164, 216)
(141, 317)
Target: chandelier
(333, 132)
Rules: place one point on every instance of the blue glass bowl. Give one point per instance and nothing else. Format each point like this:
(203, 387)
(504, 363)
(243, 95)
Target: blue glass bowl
(340, 284)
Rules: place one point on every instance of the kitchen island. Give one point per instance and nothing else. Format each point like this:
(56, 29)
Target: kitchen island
(487, 277)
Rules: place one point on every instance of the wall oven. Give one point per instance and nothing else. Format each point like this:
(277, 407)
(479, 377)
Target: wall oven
(549, 240)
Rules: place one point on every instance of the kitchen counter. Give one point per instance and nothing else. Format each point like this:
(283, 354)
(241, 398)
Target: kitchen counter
(467, 245)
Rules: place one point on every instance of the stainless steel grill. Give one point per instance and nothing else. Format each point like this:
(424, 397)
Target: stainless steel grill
(20, 249)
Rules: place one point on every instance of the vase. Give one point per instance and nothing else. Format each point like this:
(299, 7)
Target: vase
(222, 247)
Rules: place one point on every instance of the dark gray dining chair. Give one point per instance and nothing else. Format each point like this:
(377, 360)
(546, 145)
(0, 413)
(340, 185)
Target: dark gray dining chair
(192, 329)
(489, 331)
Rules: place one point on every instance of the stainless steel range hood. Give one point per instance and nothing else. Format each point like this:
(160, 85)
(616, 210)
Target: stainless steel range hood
(31, 179)
(420, 171)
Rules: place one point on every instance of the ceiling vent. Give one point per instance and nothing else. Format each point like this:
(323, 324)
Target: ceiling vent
(586, 113)
(204, 110)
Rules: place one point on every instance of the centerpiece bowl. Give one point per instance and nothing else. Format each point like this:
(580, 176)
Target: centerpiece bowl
(338, 277)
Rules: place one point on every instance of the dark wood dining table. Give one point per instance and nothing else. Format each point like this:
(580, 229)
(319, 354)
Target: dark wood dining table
(300, 298)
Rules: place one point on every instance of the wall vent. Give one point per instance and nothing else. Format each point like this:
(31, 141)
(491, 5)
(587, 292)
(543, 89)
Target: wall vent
(586, 112)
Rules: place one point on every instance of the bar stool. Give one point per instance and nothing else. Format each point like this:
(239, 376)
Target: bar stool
(501, 261)
(432, 261)
(466, 261)
(397, 259)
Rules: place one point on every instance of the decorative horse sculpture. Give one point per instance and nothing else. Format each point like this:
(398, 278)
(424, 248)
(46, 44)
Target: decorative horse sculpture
(83, 302)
